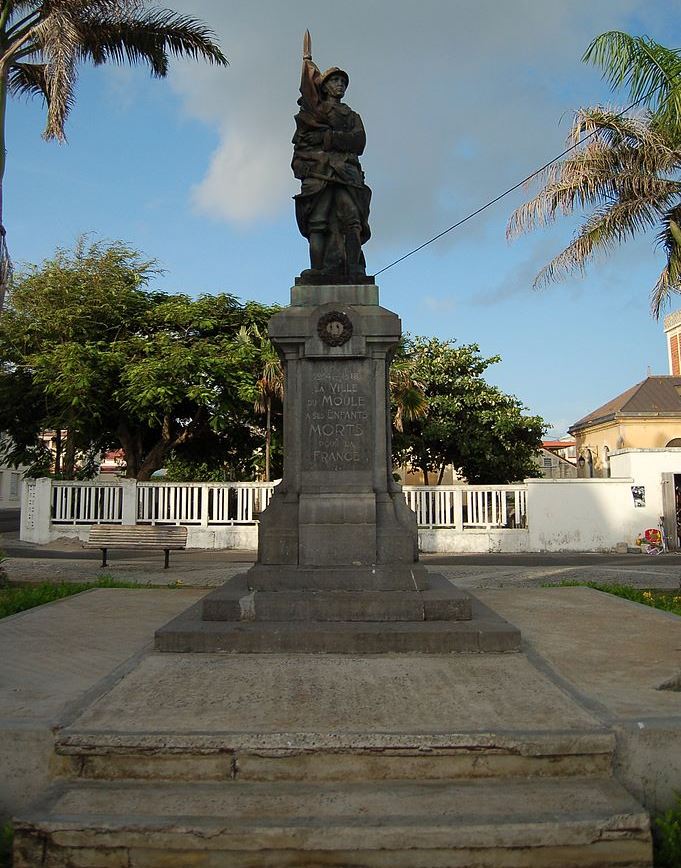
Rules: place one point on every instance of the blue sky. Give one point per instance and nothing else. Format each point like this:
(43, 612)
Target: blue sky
(460, 99)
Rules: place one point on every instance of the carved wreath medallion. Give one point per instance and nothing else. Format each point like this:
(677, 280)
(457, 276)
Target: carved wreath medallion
(334, 328)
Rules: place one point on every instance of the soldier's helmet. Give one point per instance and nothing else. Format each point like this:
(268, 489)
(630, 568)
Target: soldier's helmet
(333, 70)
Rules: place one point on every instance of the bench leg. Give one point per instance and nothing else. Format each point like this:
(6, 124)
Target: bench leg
(104, 563)
(167, 563)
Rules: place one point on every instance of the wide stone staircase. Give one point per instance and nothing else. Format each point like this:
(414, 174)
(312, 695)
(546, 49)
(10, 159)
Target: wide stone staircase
(223, 784)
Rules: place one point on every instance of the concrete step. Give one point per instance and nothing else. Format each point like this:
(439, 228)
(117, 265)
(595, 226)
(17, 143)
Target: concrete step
(484, 632)
(292, 756)
(234, 601)
(585, 822)
(346, 577)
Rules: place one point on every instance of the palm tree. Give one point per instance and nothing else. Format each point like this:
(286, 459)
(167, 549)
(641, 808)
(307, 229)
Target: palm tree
(650, 71)
(43, 41)
(270, 383)
(627, 170)
(270, 387)
(406, 391)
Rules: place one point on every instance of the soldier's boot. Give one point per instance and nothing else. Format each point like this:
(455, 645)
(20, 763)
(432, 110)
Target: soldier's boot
(353, 254)
(317, 245)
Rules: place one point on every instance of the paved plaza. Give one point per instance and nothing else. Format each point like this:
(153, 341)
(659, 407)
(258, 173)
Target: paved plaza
(68, 561)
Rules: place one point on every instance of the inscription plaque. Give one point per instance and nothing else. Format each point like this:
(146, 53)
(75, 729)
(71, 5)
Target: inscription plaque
(338, 415)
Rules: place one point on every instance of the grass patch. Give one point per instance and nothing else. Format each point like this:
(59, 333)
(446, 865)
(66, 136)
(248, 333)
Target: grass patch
(668, 601)
(18, 599)
(6, 836)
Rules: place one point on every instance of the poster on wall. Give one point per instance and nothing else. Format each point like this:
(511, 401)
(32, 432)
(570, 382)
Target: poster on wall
(638, 492)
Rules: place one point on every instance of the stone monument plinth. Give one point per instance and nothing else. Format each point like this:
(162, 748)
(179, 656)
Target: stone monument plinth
(337, 567)
(337, 520)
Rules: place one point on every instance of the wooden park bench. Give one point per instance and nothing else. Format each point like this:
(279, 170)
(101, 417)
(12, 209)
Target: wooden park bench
(138, 536)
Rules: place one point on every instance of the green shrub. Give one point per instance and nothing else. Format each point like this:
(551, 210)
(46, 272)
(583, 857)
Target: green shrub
(6, 836)
(667, 831)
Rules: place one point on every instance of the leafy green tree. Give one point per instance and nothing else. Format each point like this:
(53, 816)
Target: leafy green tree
(624, 170)
(42, 42)
(468, 423)
(88, 348)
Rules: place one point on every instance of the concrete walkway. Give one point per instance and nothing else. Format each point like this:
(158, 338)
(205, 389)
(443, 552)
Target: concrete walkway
(53, 657)
(619, 661)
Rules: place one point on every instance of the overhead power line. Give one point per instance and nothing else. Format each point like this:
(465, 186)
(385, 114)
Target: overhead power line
(511, 189)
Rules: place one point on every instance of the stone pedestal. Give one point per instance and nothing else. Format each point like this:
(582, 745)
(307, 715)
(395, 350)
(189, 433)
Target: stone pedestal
(337, 519)
(337, 542)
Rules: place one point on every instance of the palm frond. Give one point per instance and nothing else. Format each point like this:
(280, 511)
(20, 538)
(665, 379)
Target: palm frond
(27, 79)
(57, 37)
(613, 144)
(610, 126)
(411, 404)
(603, 231)
(149, 38)
(587, 180)
(625, 160)
(406, 390)
(651, 72)
(669, 281)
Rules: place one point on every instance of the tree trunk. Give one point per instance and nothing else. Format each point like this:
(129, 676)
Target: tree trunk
(141, 464)
(268, 440)
(70, 455)
(5, 261)
(57, 451)
(424, 470)
(131, 443)
(153, 460)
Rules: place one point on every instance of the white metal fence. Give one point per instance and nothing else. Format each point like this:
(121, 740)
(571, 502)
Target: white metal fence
(86, 503)
(199, 503)
(227, 503)
(468, 506)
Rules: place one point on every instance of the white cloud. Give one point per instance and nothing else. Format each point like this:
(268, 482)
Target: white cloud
(244, 183)
(460, 99)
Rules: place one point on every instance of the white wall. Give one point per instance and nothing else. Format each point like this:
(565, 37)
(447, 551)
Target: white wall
(582, 514)
(10, 486)
(449, 540)
(646, 466)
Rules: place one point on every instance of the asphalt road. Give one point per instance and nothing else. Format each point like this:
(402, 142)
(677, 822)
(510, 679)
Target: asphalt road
(16, 549)
(9, 520)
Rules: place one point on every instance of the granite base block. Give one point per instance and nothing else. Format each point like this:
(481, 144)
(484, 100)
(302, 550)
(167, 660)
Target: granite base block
(484, 632)
(378, 577)
(235, 601)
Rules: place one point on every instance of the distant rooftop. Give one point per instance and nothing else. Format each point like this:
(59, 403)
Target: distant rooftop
(654, 395)
(671, 320)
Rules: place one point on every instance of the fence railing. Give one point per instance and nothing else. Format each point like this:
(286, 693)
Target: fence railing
(86, 503)
(199, 503)
(468, 506)
(226, 503)
(202, 503)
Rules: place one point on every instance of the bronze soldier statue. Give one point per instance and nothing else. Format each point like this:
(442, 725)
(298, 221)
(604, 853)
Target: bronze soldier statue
(332, 208)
